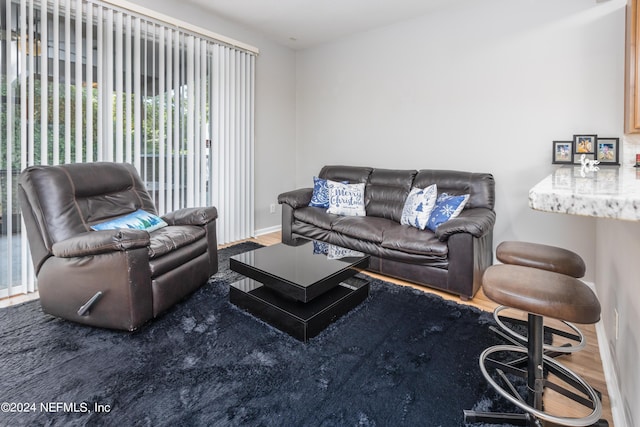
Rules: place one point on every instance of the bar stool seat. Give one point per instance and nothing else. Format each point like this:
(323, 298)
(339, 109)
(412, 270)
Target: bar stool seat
(549, 258)
(539, 293)
(543, 257)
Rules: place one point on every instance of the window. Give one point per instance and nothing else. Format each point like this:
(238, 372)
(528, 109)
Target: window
(86, 81)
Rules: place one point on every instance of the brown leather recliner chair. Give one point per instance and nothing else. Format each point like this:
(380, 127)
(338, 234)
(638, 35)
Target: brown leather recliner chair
(110, 278)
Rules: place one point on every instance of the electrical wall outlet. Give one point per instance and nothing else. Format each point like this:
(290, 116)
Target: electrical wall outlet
(272, 208)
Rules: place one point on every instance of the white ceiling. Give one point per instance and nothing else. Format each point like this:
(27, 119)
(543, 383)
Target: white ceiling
(304, 23)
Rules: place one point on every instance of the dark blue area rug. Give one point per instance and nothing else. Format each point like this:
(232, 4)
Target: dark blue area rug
(403, 357)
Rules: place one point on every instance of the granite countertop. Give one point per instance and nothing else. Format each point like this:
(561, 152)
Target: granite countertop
(610, 192)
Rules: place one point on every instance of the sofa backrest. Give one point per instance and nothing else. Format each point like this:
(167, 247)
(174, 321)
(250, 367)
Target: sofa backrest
(352, 174)
(387, 189)
(479, 186)
(59, 202)
(386, 192)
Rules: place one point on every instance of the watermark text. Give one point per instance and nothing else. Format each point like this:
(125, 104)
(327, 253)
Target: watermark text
(54, 407)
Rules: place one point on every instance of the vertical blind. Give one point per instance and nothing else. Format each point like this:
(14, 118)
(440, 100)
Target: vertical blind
(86, 81)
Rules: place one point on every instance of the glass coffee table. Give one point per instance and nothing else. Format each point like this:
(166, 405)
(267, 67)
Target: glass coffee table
(299, 289)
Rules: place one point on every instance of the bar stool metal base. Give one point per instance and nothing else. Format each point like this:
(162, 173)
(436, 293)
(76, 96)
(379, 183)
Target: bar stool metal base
(584, 393)
(501, 418)
(576, 340)
(499, 362)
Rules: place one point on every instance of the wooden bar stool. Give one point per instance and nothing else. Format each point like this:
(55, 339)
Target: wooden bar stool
(539, 293)
(549, 258)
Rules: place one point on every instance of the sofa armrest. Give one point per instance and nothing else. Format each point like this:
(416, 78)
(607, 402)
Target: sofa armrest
(476, 221)
(191, 216)
(296, 198)
(100, 242)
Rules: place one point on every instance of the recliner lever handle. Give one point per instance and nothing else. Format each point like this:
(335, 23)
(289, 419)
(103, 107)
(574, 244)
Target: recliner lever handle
(84, 310)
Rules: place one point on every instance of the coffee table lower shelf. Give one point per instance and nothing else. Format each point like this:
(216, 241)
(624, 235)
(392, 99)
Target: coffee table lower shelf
(300, 320)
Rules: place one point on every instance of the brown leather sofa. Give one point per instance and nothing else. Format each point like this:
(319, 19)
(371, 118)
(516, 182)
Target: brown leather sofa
(453, 258)
(110, 278)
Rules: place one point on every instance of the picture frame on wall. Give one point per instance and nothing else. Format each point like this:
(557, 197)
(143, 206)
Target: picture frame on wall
(562, 152)
(584, 144)
(607, 151)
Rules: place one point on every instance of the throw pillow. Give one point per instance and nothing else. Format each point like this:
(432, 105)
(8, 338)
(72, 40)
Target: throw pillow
(138, 220)
(447, 207)
(346, 199)
(418, 206)
(320, 197)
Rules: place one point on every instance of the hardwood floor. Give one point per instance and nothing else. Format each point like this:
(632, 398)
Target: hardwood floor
(586, 363)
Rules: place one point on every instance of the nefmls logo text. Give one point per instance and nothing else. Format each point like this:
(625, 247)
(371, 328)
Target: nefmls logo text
(81, 407)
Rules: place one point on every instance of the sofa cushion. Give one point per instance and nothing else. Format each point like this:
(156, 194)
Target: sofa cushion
(170, 238)
(315, 216)
(371, 248)
(418, 206)
(346, 199)
(369, 228)
(412, 240)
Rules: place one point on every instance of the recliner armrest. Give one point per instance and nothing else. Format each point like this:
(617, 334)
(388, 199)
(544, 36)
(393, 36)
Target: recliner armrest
(475, 221)
(192, 216)
(296, 198)
(100, 242)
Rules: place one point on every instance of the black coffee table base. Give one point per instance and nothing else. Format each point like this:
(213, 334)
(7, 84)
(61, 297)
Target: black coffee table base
(300, 320)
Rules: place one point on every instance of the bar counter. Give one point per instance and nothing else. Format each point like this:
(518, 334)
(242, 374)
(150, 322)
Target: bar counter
(610, 192)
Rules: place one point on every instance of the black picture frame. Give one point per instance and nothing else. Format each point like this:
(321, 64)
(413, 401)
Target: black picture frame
(607, 151)
(584, 144)
(562, 153)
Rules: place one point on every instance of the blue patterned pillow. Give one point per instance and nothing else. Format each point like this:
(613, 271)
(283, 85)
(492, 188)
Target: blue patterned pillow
(418, 206)
(447, 207)
(346, 199)
(138, 220)
(320, 197)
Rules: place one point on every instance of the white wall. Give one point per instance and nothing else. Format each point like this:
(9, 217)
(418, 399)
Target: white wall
(617, 280)
(275, 104)
(482, 86)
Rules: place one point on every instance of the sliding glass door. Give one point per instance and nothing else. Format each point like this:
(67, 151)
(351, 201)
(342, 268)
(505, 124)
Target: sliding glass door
(85, 81)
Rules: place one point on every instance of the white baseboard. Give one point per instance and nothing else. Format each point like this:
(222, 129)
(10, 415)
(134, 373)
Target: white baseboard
(615, 396)
(267, 230)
